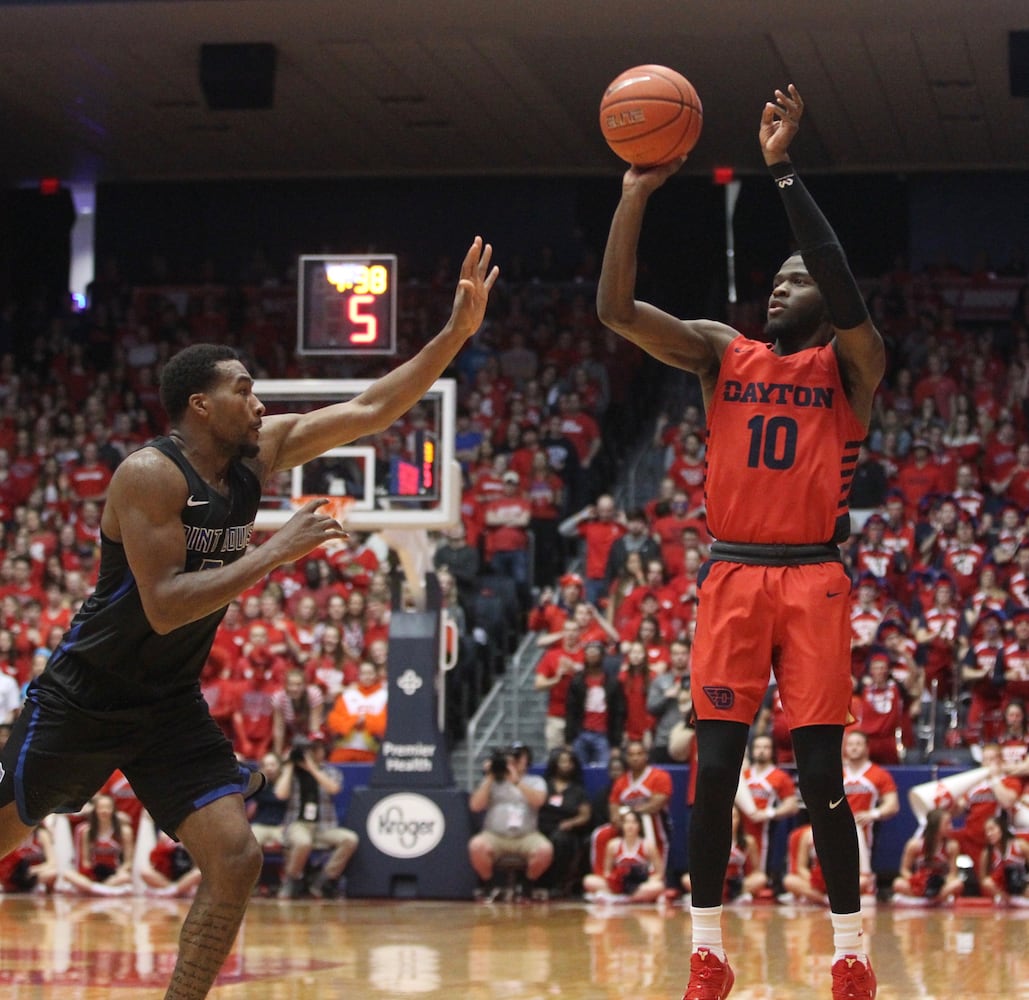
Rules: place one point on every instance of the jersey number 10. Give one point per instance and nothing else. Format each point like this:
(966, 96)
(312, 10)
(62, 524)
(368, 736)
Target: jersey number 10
(773, 442)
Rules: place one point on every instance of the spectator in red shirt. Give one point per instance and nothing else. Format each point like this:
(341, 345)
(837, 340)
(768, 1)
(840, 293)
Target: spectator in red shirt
(87, 526)
(1001, 455)
(936, 385)
(253, 718)
(546, 494)
(89, 477)
(964, 557)
(599, 525)
(22, 587)
(979, 678)
(966, 490)
(883, 710)
(920, 476)
(1014, 485)
(594, 709)
(594, 627)
(507, 519)
(634, 676)
(553, 610)
(553, 674)
(580, 428)
(298, 708)
(687, 470)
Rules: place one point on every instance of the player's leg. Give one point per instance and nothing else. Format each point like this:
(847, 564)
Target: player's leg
(12, 830)
(820, 771)
(720, 750)
(814, 677)
(219, 840)
(818, 750)
(732, 652)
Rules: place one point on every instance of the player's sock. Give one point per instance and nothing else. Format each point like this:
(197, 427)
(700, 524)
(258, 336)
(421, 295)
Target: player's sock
(847, 936)
(707, 929)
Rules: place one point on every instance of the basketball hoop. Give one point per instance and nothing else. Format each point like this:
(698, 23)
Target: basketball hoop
(336, 507)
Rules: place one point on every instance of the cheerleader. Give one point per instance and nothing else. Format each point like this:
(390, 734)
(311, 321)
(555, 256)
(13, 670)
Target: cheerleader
(633, 868)
(1002, 868)
(928, 866)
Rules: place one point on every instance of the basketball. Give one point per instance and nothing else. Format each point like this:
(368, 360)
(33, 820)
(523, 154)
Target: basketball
(650, 115)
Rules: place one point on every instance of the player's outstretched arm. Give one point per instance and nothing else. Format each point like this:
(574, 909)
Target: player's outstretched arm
(859, 346)
(696, 345)
(292, 439)
(144, 513)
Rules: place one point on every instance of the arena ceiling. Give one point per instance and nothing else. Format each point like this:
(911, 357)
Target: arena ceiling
(111, 90)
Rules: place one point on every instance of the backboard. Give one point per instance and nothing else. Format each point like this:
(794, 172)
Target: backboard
(405, 477)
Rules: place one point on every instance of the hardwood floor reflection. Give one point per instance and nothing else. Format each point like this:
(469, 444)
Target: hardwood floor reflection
(76, 949)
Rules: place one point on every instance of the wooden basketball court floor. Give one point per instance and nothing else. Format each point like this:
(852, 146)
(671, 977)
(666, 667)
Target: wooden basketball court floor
(81, 949)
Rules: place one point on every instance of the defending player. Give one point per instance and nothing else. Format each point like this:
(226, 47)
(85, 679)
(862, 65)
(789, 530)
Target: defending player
(122, 690)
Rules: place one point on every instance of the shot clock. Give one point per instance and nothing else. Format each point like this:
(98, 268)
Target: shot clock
(347, 304)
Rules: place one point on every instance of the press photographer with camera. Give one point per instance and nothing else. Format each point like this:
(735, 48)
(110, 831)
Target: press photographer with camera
(310, 785)
(511, 799)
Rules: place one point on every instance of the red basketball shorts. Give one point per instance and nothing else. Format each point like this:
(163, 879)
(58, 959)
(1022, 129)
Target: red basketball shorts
(793, 621)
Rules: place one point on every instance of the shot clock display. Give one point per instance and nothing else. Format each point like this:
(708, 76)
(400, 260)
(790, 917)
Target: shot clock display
(347, 304)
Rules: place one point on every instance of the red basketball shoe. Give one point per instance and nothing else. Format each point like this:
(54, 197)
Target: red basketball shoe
(852, 978)
(710, 979)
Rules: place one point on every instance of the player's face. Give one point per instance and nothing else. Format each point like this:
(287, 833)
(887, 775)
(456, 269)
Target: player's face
(235, 411)
(796, 308)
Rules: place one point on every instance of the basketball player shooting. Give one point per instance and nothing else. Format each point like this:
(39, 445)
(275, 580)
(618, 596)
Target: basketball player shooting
(123, 688)
(784, 423)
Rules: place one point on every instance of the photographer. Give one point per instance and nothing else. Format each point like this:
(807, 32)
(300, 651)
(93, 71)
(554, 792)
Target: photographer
(511, 799)
(310, 786)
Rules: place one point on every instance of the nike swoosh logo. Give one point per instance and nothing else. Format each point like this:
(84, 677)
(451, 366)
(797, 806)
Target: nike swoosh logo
(833, 805)
(833, 593)
(196, 503)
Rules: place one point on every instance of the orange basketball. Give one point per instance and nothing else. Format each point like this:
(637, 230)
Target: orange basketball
(650, 115)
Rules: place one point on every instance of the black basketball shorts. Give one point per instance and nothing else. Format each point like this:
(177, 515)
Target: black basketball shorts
(173, 754)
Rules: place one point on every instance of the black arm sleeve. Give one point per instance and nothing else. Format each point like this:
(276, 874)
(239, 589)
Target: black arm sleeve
(819, 246)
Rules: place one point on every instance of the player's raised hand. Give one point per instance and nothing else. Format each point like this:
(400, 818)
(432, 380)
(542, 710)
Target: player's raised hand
(473, 288)
(780, 122)
(649, 179)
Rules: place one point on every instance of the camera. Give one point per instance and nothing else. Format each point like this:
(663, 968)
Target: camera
(300, 747)
(498, 765)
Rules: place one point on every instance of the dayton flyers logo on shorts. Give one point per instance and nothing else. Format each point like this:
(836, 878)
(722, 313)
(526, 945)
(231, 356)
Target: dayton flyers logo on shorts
(722, 698)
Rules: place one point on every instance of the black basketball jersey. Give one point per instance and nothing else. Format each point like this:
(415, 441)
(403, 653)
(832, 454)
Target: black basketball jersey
(110, 657)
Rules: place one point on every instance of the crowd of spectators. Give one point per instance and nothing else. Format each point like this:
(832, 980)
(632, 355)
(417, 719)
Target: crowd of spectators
(940, 497)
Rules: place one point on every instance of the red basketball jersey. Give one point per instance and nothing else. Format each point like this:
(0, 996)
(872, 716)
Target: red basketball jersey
(782, 446)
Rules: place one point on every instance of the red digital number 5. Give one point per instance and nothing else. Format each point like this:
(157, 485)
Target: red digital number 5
(370, 333)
